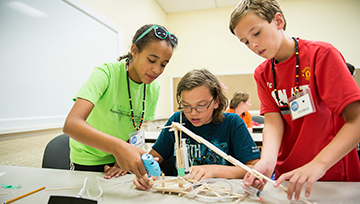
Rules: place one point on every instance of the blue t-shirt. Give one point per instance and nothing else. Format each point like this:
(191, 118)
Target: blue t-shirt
(231, 136)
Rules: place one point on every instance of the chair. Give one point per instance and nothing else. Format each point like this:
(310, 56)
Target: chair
(57, 153)
(258, 118)
(168, 167)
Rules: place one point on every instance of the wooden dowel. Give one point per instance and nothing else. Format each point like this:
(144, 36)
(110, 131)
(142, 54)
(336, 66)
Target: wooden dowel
(59, 189)
(160, 128)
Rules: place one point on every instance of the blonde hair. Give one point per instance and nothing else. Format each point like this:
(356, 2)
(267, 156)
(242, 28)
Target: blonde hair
(200, 77)
(238, 98)
(265, 9)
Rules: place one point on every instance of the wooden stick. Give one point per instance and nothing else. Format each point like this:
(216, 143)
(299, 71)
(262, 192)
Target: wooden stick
(211, 190)
(179, 160)
(169, 126)
(59, 189)
(17, 198)
(163, 178)
(199, 139)
(160, 128)
(180, 123)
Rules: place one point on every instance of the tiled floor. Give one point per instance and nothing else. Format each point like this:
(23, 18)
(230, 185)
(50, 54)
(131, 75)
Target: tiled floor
(26, 151)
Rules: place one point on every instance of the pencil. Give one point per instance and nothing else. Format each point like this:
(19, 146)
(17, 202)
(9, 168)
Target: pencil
(12, 200)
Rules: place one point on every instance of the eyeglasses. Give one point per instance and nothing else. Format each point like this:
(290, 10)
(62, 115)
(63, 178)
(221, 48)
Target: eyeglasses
(199, 109)
(161, 33)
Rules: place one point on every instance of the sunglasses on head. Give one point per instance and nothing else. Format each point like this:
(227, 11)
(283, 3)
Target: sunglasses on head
(161, 33)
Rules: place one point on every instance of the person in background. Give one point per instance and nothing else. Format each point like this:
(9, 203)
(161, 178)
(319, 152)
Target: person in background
(351, 69)
(240, 104)
(352, 72)
(112, 104)
(202, 102)
(302, 86)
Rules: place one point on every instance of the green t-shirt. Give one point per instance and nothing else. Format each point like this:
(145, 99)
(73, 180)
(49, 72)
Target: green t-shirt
(107, 89)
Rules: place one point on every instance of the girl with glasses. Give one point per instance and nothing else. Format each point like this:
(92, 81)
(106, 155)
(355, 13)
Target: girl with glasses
(240, 104)
(202, 102)
(113, 103)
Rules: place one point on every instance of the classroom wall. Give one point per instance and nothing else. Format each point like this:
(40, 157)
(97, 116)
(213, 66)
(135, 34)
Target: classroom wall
(48, 49)
(205, 40)
(54, 48)
(130, 15)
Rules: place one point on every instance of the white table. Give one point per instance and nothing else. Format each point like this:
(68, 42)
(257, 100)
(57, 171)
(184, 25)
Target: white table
(34, 178)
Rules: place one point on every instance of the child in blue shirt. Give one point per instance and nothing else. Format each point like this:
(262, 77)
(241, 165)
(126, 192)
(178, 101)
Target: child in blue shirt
(202, 102)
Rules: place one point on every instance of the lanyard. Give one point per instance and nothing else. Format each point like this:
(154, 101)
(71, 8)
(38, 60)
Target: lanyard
(132, 112)
(296, 76)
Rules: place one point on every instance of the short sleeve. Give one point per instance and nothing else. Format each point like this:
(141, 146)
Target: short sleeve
(95, 86)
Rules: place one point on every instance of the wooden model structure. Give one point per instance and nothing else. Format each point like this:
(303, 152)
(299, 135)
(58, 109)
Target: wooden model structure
(182, 185)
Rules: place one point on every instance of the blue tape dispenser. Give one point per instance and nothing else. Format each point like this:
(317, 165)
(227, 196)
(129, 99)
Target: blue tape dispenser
(151, 166)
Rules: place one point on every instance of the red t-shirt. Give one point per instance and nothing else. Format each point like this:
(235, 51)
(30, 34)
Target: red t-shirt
(246, 118)
(322, 68)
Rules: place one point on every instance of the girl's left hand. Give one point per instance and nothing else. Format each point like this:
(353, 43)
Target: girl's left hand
(113, 171)
(309, 174)
(202, 172)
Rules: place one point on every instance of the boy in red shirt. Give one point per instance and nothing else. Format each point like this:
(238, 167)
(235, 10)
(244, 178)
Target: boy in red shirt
(300, 138)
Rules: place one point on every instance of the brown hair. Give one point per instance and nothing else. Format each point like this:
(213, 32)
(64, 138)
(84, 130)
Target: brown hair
(200, 77)
(265, 9)
(238, 98)
(144, 41)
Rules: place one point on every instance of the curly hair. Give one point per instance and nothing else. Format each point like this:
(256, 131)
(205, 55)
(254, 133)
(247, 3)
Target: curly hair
(144, 41)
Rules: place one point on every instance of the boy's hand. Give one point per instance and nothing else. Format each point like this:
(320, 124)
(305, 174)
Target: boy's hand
(309, 173)
(202, 172)
(251, 180)
(113, 171)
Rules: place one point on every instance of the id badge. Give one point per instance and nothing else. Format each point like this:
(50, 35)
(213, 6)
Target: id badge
(137, 138)
(301, 104)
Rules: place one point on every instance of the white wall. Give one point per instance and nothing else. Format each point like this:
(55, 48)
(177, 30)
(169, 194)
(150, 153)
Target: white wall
(47, 51)
(206, 42)
(130, 15)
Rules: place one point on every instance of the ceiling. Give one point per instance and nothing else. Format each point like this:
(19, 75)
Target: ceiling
(173, 6)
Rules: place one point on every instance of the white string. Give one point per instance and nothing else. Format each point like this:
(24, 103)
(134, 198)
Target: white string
(72, 166)
(81, 192)
(101, 191)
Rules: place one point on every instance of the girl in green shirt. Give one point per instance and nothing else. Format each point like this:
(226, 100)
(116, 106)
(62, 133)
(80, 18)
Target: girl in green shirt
(113, 103)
